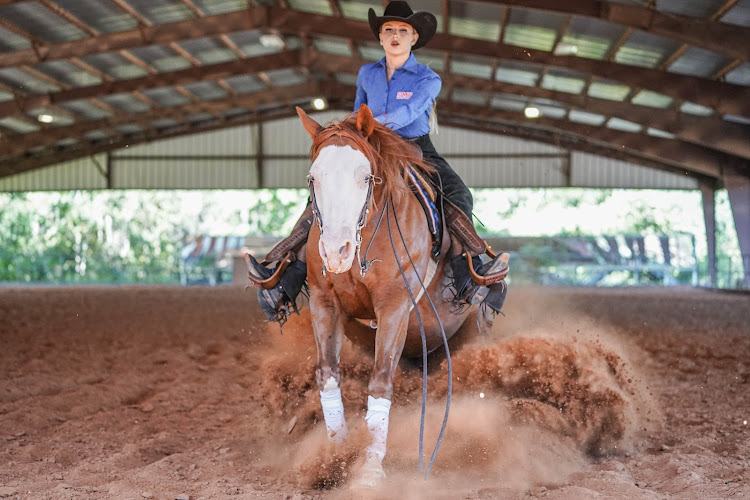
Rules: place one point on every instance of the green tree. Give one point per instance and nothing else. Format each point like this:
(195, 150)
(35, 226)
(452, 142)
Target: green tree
(271, 214)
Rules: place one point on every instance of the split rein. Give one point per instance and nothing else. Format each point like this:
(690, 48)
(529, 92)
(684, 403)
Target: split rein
(424, 350)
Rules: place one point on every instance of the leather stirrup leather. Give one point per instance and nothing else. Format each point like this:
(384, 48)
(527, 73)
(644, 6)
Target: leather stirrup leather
(460, 225)
(295, 240)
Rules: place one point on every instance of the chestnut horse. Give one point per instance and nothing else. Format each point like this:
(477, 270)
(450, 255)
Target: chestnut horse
(364, 209)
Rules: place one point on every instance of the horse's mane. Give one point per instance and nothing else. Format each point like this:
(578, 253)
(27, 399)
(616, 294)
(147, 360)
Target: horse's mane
(389, 154)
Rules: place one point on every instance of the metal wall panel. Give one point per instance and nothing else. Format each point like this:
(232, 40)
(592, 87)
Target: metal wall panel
(285, 173)
(129, 173)
(228, 142)
(593, 171)
(450, 140)
(511, 172)
(289, 137)
(76, 174)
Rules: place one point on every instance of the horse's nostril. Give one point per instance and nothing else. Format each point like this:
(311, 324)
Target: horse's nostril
(346, 250)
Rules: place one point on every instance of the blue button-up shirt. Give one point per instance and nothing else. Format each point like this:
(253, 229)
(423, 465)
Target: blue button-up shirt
(402, 104)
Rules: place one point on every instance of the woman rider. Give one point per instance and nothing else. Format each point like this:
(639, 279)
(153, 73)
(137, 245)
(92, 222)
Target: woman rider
(401, 94)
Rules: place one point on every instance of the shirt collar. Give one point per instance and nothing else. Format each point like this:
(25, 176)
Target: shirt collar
(411, 65)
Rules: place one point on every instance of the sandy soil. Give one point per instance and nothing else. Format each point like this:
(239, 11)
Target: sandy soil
(155, 392)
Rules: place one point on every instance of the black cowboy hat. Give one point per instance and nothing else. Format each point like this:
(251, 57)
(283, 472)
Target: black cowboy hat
(423, 22)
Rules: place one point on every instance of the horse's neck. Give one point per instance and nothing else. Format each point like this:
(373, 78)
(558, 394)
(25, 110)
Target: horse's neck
(402, 209)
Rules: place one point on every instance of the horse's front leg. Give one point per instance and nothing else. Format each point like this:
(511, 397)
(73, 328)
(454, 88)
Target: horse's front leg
(327, 323)
(389, 343)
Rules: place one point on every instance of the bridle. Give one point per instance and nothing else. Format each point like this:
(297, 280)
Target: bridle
(372, 181)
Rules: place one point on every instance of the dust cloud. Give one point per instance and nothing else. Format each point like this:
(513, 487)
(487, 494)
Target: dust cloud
(538, 399)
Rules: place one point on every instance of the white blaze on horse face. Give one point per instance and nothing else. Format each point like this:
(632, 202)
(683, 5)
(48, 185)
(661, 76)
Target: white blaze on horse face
(340, 185)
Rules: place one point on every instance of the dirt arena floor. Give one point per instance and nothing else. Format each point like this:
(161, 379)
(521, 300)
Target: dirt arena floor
(177, 393)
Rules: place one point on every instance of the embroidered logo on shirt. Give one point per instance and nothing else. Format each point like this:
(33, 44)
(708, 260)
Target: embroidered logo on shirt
(404, 95)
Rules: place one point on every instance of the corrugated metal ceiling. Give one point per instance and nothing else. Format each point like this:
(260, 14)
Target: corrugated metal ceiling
(78, 77)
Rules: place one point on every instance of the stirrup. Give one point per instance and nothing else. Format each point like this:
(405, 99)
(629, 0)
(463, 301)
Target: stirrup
(496, 272)
(261, 276)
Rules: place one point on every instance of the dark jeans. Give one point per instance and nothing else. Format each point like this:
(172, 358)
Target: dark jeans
(454, 189)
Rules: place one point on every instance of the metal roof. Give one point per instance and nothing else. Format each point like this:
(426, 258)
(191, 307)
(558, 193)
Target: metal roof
(662, 83)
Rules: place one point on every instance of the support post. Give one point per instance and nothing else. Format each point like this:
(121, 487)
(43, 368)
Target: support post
(738, 187)
(260, 156)
(708, 193)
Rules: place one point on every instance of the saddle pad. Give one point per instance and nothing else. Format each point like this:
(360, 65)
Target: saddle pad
(427, 198)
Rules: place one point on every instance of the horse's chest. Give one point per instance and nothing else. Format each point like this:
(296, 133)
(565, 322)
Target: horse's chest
(354, 297)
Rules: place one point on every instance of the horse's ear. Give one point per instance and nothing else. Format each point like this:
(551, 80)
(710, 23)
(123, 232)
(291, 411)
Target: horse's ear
(365, 121)
(310, 125)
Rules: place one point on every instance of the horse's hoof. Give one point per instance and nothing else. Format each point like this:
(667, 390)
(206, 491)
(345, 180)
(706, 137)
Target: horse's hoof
(370, 476)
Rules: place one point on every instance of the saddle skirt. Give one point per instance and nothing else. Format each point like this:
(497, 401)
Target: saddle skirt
(428, 198)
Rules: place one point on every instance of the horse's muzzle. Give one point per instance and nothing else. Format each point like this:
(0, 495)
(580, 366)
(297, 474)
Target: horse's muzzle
(337, 256)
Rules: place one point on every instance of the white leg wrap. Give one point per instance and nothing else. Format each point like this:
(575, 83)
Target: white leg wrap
(378, 410)
(333, 413)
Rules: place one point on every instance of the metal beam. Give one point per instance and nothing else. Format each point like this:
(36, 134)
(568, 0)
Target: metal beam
(711, 132)
(21, 143)
(709, 34)
(725, 97)
(251, 18)
(675, 154)
(719, 37)
(664, 154)
(521, 128)
(127, 8)
(35, 162)
(20, 32)
(722, 96)
(17, 166)
(268, 62)
(569, 142)
(681, 156)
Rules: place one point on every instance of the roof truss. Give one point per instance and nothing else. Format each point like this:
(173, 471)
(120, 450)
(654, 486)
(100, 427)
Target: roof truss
(701, 145)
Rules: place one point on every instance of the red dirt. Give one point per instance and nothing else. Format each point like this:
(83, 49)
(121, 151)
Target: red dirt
(157, 392)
